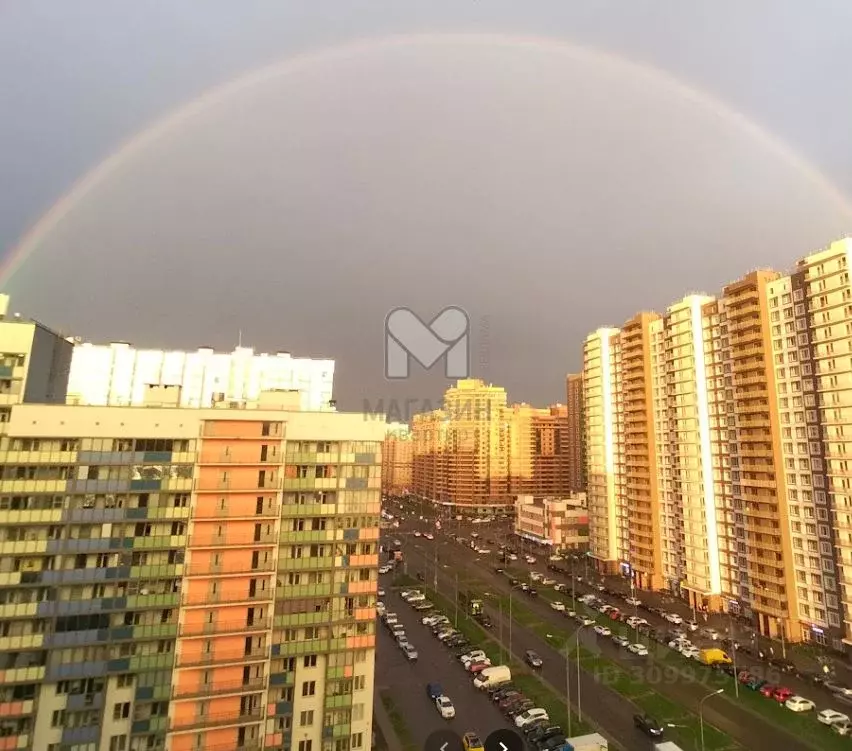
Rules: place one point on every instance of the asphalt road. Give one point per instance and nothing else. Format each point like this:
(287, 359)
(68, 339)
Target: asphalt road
(502, 531)
(605, 707)
(750, 730)
(407, 681)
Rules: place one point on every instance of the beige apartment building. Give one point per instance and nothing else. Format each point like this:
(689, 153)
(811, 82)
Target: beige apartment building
(576, 436)
(559, 523)
(398, 460)
(480, 451)
(739, 406)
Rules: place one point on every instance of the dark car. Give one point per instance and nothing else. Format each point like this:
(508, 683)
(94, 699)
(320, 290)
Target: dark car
(554, 742)
(544, 732)
(434, 690)
(648, 725)
(420, 577)
(532, 592)
(532, 659)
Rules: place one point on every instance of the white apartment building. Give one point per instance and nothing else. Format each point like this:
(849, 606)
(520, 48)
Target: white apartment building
(118, 375)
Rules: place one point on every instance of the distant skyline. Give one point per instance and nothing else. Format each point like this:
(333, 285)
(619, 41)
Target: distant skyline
(544, 190)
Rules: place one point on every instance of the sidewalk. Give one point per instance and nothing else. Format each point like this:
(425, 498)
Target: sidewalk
(382, 719)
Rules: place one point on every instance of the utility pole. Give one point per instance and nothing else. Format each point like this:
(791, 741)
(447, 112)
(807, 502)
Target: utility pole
(456, 620)
(510, 624)
(734, 654)
(435, 580)
(568, 687)
(579, 709)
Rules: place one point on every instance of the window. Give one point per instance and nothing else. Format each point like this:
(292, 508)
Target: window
(306, 718)
(121, 710)
(118, 743)
(125, 680)
(305, 745)
(309, 688)
(310, 661)
(57, 720)
(357, 740)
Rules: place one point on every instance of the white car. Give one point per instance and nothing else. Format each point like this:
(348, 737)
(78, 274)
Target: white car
(445, 707)
(621, 640)
(635, 621)
(429, 536)
(674, 618)
(559, 607)
(409, 651)
(470, 657)
(380, 592)
(380, 608)
(691, 652)
(602, 631)
(830, 716)
(531, 560)
(799, 704)
(547, 582)
(530, 716)
(692, 626)
(391, 619)
(638, 649)
(512, 557)
(633, 601)
(587, 622)
(483, 551)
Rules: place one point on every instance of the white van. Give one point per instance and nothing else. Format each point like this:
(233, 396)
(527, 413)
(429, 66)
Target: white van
(492, 677)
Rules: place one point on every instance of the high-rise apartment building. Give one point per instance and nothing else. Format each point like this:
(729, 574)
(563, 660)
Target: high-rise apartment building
(34, 362)
(118, 374)
(604, 434)
(188, 578)
(397, 460)
(576, 433)
(480, 451)
(745, 400)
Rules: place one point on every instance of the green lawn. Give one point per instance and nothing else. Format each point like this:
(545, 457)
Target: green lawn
(671, 664)
(399, 724)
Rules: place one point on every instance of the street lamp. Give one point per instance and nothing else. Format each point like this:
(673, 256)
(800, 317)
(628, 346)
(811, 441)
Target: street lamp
(701, 712)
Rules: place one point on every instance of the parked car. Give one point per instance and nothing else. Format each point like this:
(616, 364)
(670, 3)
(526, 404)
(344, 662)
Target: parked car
(445, 707)
(830, 716)
(799, 704)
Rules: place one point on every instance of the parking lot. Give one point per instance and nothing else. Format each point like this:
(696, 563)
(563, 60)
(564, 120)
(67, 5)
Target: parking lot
(406, 682)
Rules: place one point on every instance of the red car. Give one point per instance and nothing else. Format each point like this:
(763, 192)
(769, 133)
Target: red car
(782, 693)
(769, 690)
(614, 614)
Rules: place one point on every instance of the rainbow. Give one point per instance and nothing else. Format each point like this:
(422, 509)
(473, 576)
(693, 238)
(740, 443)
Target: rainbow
(31, 240)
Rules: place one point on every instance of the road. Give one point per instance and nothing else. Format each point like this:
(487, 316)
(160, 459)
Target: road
(837, 668)
(750, 730)
(407, 681)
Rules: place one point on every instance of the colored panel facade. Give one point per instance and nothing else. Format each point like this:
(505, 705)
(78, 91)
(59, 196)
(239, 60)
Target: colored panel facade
(188, 579)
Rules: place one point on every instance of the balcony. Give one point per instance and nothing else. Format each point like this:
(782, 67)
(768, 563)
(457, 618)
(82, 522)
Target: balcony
(211, 513)
(208, 568)
(200, 599)
(223, 657)
(240, 486)
(224, 627)
(225, 457)
(219, 719)
(225, 540)
(220, 688)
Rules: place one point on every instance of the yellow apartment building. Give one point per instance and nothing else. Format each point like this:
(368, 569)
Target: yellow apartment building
(743, 402)
(398, 460)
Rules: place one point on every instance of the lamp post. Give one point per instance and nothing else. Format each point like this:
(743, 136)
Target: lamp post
(568, 687)
(733, 653)
(579, 709)
(701, 712)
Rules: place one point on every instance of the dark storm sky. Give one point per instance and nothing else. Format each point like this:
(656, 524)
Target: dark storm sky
(546, 193)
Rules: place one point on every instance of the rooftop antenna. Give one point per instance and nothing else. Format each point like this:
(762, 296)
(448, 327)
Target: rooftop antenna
(240, 339)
